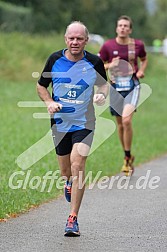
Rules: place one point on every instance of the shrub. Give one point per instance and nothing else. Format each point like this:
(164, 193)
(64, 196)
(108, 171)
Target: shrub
(15, 18)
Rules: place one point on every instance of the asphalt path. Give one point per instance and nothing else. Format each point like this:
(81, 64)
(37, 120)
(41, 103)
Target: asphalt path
(124, 215)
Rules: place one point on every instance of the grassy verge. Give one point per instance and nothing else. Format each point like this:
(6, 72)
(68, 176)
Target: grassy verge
(19, 130)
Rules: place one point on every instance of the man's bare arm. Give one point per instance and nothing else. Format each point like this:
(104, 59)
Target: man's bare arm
(143, 64)
(101, 94)
(45, 96)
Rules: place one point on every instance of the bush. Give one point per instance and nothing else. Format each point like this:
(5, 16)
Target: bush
(15, 18)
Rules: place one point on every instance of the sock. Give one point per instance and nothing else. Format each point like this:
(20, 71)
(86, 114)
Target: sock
(73, 215)
(127, 154)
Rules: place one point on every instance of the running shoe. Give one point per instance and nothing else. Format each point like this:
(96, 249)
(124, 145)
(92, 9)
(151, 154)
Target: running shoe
(128, 166)
(72, 228)
(67, 190)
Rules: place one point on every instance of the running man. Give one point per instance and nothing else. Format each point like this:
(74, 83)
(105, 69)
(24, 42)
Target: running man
(120, 56)
(73, 73)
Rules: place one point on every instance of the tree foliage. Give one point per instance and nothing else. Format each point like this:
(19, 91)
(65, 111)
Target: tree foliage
(15, 18)
(160, 26)
(99, 15)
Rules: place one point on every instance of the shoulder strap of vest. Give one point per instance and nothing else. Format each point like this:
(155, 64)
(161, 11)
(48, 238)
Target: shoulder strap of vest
(131, 52)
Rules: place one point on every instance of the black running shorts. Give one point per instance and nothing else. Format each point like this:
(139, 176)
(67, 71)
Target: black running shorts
(64, 141)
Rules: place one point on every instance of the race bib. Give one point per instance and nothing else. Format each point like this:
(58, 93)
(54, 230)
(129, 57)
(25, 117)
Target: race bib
(73, 93)
(123, 83)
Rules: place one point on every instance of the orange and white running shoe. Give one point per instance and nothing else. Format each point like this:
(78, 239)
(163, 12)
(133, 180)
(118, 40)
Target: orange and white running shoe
(128, 167)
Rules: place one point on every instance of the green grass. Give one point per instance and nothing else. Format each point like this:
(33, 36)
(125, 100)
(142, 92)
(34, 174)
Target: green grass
(19, 130)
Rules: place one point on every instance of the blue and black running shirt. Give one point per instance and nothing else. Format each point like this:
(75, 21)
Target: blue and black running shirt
(73, 87)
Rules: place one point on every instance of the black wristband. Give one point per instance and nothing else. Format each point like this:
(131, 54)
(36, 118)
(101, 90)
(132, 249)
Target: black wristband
(103, 94)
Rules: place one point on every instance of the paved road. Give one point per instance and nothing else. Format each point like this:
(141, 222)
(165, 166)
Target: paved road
(123, 217)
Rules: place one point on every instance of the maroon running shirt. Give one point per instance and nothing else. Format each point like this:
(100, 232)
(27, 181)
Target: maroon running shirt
(112, 49)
